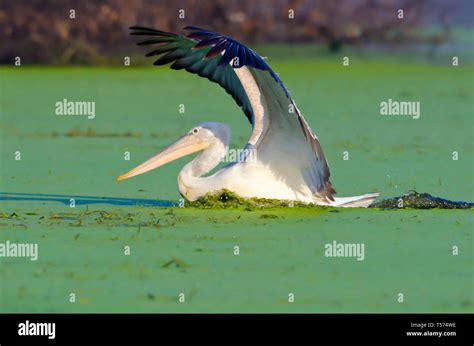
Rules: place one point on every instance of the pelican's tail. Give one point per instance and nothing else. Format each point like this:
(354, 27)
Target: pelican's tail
(362, 201)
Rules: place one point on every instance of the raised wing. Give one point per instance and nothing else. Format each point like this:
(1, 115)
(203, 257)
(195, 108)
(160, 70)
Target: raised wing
(206, 54)
(258, 90)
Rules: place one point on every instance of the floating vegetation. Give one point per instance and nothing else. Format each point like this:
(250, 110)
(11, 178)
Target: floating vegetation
(226, 199)
(223, 200)
(88, 218)
(415, 200)
(90, 132)
(268, 216)
(176, 262)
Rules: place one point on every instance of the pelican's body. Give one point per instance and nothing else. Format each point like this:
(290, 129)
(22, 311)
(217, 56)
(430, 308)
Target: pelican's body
(248, 178)
(283, 157)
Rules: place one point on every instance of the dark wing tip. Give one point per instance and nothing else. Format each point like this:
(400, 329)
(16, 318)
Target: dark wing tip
(142, 30)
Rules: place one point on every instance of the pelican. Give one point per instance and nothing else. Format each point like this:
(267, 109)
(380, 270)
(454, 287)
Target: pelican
(283, 158)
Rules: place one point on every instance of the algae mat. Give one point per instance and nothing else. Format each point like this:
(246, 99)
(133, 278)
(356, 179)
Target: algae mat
(192, 251)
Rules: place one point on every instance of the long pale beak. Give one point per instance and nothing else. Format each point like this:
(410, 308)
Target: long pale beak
(184, 146)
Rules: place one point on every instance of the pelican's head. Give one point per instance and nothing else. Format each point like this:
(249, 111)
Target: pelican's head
(200, 137)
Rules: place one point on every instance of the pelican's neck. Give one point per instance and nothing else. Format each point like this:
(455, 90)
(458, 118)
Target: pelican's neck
(190, 180)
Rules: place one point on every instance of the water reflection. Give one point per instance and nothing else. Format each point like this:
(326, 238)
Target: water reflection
(82, 200)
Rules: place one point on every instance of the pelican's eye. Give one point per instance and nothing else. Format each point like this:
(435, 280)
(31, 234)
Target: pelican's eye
(195, 131)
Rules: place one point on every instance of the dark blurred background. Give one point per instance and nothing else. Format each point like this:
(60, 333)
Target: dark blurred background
(41, 31)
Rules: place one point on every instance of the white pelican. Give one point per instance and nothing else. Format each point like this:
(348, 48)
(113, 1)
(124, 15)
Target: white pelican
(286, 160)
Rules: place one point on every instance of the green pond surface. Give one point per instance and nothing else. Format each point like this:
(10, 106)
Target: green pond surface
(192, 251)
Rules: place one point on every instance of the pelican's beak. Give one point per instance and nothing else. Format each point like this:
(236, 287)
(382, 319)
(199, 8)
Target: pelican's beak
(184, 146)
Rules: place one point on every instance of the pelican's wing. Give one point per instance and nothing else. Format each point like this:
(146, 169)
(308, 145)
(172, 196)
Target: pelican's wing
(278, 126)
(200, 54)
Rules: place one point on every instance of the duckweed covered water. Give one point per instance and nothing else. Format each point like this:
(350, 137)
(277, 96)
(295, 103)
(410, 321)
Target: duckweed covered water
(424, 254)
(226, 199)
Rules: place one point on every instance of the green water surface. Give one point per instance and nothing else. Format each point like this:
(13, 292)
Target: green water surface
(190, 251)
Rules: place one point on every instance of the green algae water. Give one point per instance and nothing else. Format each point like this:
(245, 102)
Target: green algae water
(424, 254)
